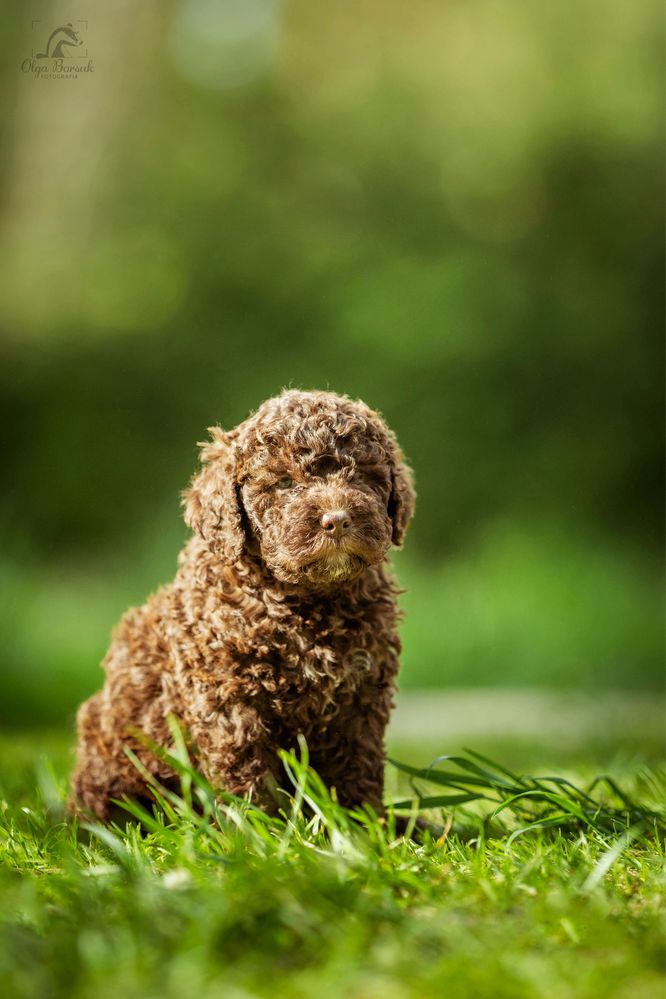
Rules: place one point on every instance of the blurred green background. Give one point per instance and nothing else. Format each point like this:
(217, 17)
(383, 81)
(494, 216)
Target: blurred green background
(451, 209)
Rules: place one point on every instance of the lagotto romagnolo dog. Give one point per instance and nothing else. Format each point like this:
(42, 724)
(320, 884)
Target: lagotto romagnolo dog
(281, 619)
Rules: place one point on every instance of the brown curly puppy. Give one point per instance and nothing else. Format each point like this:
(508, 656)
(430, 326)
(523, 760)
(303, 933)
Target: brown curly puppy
(281, 619)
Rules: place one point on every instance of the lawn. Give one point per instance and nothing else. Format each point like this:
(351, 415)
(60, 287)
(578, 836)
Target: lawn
(316, 904)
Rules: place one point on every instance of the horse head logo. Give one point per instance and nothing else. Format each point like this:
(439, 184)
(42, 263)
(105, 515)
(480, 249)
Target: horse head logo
(63, 36)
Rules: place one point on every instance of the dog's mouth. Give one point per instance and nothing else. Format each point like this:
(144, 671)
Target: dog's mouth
(334, 561)
(338, 564)
(333, 567)
(326, 562)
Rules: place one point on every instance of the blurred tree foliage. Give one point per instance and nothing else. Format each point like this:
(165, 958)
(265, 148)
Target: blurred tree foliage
(451, 210)
(471, 244)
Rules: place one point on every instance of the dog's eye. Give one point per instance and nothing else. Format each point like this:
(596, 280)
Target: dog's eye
(284, 483)
(374, 475)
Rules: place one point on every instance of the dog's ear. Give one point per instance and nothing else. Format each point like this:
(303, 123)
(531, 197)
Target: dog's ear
(402, 498)
(212, 501)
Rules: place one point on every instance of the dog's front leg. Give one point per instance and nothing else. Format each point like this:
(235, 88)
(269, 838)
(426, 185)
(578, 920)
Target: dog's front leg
(236, 753)
(350, 754)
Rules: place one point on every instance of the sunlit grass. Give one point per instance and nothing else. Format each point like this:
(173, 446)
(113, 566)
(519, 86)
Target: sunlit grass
(203, 894)
(538, 802)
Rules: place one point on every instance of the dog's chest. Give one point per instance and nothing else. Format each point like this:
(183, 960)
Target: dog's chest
(303, 666)
(311, 668)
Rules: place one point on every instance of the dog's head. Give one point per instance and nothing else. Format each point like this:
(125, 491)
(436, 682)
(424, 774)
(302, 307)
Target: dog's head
(313, 482)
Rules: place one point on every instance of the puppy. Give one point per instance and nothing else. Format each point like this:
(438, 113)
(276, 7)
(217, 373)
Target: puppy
(281, 619)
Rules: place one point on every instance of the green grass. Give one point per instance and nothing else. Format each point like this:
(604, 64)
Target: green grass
(218, 900)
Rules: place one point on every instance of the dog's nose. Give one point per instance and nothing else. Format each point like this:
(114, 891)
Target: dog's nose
(336, 522)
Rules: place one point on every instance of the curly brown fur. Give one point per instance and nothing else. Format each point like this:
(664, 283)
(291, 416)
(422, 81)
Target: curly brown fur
(281, 619)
